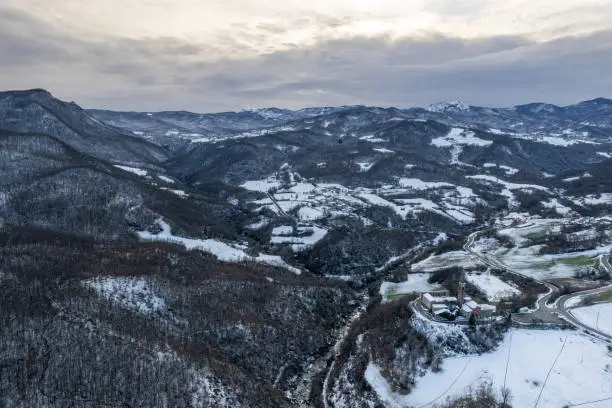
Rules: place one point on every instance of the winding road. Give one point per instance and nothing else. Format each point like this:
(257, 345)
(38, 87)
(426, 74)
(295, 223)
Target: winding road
(545, 312)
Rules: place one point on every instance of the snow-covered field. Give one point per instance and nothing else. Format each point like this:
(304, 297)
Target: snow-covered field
(582, 372)
(527, 259)
(507, 186)
(133, 170)
(596, 316)
(604, 198)
(454, 202)
(221, 250)
(557, 206)
(415, 282)
(495, 288)
(447, 260)
(458, 136)
(300, 240)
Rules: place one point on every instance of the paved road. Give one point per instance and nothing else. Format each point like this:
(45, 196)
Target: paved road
(546, 313)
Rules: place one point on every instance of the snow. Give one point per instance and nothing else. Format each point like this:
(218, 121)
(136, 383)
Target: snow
(310, 214)
(134, 170)
(166, 179)
(305, 238)
(261, 185)
(130, 292)
(456, 105)
(372, 139)
(604, 198)
(283, 230)
(597, 316)
(263, 221)
(494, 288)
(381, 387)
(572, 179)
(527, 259)
(221, 250)
(441, 237)
(506, 192)
(286, 148)
(510, 171)
(415, 282)
(458, 136)
(365, 166)
(446, 260)
(337, 200)
(559, 141)
(382, 150)
(582, 372)
(417, 184)
(560, 208)
(381, 202)
(179, 193)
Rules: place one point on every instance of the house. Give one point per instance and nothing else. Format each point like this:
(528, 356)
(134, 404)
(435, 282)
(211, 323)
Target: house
(432, 302)
(428, 300)
(480, 310)
(487, 311)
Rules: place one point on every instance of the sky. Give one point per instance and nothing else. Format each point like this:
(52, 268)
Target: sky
(217, 55)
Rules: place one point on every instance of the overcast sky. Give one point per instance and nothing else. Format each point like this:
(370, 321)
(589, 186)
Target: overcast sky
(214, 55)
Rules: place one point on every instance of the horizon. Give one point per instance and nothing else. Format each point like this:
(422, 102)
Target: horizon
(247, 109)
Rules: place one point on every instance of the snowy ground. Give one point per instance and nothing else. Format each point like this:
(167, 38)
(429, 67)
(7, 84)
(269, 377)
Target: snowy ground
(527, 260)
(583, 372)
(596, 316)
(447, 260)
(507, 187)
(300, 239)
(129, 292)
(314, 201)
(458, 136)
(415, 282)
(166, 179)
(558, 207)
(221, 250)
(604, 198)
(495, 288)
(134, 170)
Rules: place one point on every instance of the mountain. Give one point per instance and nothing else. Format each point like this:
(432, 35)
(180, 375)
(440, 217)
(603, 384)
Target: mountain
(37, 111)
(257, 258)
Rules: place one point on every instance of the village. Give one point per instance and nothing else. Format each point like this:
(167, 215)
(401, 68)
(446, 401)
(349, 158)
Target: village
(461, 308)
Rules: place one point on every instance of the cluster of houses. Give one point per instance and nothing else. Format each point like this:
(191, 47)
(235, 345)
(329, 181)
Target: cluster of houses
(441, 304)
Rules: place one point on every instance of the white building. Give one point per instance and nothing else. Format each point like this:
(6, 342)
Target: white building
(432, 303)
(480, 310)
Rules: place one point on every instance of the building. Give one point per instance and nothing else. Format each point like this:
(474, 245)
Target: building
(431, 302)
(481, 311)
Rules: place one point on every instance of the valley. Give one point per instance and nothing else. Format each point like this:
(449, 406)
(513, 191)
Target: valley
(280, 258)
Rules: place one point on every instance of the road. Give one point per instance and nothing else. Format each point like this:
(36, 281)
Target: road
(544, 312)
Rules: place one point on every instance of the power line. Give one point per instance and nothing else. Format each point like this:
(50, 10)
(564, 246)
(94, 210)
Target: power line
(549, 371)
(590, 402)
(449, 387)
(508, 359)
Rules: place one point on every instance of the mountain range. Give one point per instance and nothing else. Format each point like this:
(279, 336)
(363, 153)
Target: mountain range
(224, 254)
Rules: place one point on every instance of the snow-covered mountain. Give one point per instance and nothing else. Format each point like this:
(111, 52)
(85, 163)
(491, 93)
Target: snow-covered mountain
(249, 259)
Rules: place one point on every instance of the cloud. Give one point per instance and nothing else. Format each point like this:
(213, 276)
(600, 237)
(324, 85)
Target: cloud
(172, 73)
